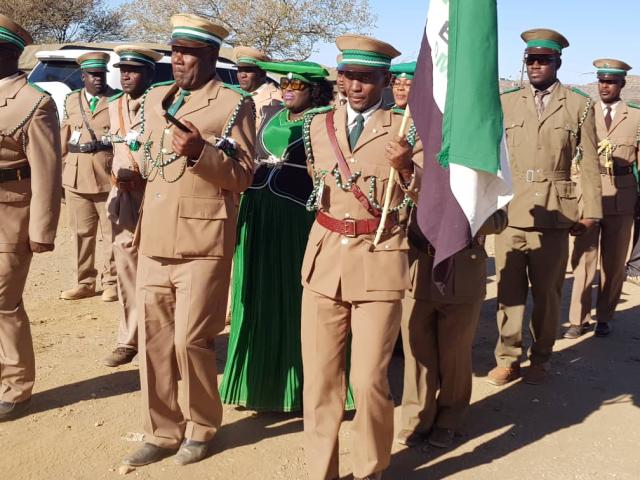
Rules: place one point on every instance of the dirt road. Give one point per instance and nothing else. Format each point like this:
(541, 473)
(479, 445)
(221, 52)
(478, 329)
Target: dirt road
(585, 424)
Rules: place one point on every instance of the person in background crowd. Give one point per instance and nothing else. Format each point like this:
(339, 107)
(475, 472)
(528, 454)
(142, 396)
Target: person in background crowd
(401, 83)
(341, 94)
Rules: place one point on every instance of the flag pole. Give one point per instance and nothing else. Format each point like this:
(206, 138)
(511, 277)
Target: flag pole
(391, 182)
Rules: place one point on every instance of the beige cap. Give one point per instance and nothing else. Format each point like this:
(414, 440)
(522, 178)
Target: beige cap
(610, 67)
(14, 34)
(248, 56)
(192, 31)
(360, 52)
(136, 56)
(544, 41)
(94, 61)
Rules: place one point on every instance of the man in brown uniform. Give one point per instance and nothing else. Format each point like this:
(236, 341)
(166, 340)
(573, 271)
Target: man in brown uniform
(617, 128)
(438, 329)
(186, 238)
(253, 79)
(349, 285)
(29, 209)
(86, 176)
(137, 66)
(547, 125)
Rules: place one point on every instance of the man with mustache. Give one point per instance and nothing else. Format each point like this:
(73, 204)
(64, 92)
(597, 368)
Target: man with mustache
(137, 67)
(197, 138)
(86, 177)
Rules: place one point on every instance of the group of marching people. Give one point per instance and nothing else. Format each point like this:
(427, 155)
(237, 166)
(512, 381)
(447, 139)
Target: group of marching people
(279, 190)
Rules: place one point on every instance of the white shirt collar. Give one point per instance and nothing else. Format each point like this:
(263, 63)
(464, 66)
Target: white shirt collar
(87, 95)
(9, 78)
(352, 114)
(614, 107)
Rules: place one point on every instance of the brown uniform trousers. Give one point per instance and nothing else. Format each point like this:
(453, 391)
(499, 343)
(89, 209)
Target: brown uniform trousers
(611, 237)
(29, 211)
(86, 180)
(123, 206)
(186, 237)
(534, 248)
(349, 288)
(438, 329)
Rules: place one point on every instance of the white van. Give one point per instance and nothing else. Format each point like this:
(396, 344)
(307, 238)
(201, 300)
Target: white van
(58, 73)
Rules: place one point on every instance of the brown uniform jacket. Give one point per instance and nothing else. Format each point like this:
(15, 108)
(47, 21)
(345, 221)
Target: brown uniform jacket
(265, 96)
(195, 216)
(29, 208)
(619, 193)
(340, 267)
(123, 206)
(86, 172)
(540, 155)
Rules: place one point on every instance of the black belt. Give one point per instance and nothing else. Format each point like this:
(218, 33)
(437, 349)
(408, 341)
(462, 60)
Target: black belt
(618, 170)
(90, 147)
(421, 243)
(13, 174)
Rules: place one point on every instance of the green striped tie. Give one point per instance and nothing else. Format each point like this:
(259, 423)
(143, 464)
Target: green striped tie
(173, 109)
(356, 131)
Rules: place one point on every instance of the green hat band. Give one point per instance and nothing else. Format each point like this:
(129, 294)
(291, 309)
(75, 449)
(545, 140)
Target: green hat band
(133, 56)
(362, 57)
(250, 60)
(545, 44)
(305, 71)
(404, 75)
(612, 71)
(93, 64)
(9, 36)
(195, 34)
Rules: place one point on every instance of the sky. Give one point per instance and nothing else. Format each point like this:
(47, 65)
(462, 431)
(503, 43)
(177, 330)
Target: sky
(595, 29)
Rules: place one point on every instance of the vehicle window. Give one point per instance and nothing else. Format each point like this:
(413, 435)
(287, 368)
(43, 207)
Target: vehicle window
(227, 75)
(64, 72)
(163, 73)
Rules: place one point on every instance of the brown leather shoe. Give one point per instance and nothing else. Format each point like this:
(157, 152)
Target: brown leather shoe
(536, 374)
(374, 476)
(441, 437)
(410, 438)
(120, 356)
(78, 292)
(109, 294)
(502, 375)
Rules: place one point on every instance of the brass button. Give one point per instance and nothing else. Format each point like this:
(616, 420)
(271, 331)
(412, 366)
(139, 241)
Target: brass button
(344, 241)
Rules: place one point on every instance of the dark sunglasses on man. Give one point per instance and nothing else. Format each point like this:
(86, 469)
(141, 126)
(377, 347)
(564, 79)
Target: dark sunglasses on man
(540, 59)
(292, 84)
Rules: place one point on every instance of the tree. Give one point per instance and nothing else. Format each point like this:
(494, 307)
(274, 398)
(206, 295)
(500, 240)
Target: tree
(67, 20)
(285, 29)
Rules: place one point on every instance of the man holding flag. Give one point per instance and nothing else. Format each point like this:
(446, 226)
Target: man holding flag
(548, 126)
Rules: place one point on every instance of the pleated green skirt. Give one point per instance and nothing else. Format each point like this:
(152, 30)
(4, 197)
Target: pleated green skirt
(264, 361)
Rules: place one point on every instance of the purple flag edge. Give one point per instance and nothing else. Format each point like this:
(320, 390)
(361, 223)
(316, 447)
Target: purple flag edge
(440, 217)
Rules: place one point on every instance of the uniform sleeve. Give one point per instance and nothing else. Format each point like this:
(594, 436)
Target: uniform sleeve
(590, 169)
(65, 131)
(231, 173)
(44, 156)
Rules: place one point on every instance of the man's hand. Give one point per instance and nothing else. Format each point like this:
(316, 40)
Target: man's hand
(582, 226)
(398, 153)
(40, 247)
(188, 144)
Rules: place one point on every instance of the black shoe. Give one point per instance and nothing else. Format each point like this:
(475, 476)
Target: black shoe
(148, 453)
(602, 329)
(191, 451)
(576, 331)
(13, 410)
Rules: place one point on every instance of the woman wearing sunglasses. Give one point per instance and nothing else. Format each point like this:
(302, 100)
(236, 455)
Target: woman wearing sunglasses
(264, 365)
(401, 84)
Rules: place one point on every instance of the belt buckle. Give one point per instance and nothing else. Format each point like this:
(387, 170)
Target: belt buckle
(530, 176)
(18, 174)
(349, 227)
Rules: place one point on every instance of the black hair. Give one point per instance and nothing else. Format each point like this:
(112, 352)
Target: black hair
(321, 93)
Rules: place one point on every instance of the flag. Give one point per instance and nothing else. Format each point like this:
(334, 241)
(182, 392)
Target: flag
(456, 109)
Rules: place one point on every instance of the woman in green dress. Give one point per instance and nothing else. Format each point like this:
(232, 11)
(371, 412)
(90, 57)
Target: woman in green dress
(264, 365)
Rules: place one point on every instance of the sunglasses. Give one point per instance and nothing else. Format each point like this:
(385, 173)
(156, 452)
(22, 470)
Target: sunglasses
(292, 84)
(541, 59)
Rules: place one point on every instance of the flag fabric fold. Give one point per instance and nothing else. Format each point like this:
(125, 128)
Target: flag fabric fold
(456, 103)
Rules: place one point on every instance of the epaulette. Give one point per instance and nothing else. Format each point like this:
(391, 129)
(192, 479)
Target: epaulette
(115, 97)
(580, 92)
(236, 89)
(38, 89)
(318, 110)
(633, 105)
(511, 90)
(160, 84)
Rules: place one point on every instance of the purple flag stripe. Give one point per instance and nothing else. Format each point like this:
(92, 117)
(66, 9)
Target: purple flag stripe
(440, 217)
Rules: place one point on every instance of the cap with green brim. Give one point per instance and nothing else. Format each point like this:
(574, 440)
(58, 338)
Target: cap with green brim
(13, 34)
(308, 72)
(609, 67)
(544, 41)
(93, 61)
(136, 56)
(192, 31)
(404, 70)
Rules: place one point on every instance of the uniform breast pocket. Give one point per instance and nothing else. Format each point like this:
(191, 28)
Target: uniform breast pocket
(201, 225)
(70, 173)
(387, 267)
(514, 132)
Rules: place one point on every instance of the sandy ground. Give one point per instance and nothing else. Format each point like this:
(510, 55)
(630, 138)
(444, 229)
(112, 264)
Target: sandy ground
(585, 424)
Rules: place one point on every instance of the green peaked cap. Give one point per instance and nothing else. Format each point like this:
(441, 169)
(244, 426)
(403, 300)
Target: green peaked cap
(306, 71)
(403, 70)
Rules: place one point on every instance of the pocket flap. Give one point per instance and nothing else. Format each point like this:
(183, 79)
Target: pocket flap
(202, 208)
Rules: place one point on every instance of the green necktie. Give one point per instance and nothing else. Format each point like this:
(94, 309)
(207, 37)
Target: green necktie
(356, 131)
(93, 103)
(175, 106)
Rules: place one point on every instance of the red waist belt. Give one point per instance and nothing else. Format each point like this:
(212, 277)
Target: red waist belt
(350, 227)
